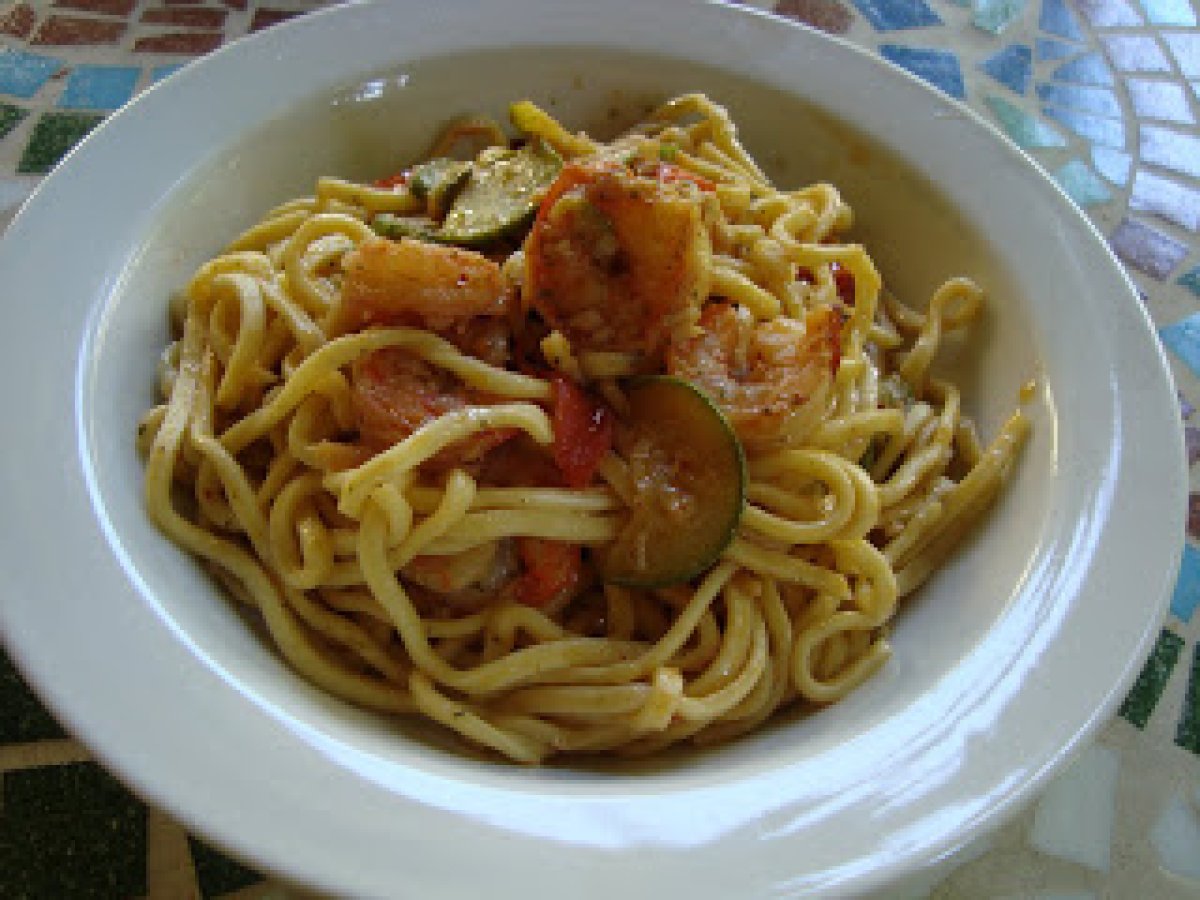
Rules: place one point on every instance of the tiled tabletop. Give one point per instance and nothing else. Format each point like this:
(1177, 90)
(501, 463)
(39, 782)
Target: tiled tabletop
(1104, 94)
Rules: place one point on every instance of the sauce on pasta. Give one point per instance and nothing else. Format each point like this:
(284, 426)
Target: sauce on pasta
(408, 435)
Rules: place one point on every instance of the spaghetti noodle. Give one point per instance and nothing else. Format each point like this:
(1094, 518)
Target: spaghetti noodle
(412, 458)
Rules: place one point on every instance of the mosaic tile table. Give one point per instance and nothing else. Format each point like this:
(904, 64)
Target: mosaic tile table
(1104, 94)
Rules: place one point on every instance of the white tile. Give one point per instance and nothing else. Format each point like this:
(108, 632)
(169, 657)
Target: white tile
(13, 192)
(1112, 164)
(1176, 837)
(1172, 149)
(1074, 818)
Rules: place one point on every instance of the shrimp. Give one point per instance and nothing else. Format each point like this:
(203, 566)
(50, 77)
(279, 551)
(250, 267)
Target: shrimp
(540, 573)
(458, 293)
(462, 583)
(394, 392)
(478, 567)
(759, 373)
(619, 261)
(394, 282)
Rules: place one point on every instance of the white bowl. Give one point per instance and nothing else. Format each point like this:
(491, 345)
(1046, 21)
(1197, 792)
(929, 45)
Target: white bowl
(1003, 664)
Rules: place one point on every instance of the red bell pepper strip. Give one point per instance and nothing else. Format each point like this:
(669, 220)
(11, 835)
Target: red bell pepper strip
(583, 431)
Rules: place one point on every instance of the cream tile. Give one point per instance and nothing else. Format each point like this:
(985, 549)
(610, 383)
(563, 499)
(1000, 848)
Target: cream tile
(1074, 818)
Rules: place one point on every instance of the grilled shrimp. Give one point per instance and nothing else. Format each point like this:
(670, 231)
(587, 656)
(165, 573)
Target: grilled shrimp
(458, 293)
(396, 281)
(759, 373)
(619, 261)
(395, 392)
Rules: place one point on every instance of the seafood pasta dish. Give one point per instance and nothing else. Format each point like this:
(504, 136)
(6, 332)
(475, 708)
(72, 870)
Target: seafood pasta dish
(573, 447)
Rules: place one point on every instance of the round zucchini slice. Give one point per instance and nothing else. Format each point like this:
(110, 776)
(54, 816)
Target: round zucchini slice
(501, 196)
(689, 485)
(437, 182)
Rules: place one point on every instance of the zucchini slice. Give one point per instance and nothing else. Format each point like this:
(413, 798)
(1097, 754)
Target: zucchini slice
(689, 485)
(501, 196)
(395, 227)
(437, 182)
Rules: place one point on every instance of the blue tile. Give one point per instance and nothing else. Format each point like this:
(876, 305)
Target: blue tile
(1170, 149)
(158, 73)
(1048, 50)
(1057, 19)
(1096, 100)
(1169, 12)
(99, 87)
(1109, 132)
(939, 67)
(1166, 198)
(1081, 184)
(1112, 164)
(1185, 47)
(1136, 53)
(993, 16)
(1187, 589)
(1012, 67)
(1087, 69)
(1025, 129)
(1186, 409)
(1147, 249)
(1183, 339)
(1191, 280)
(1162, 100)
(1108, 13)
(895, 15)
(22, 74)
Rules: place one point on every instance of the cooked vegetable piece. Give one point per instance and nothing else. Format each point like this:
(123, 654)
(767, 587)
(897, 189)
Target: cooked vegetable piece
(583, 431)
(688, 482)
(389, 225)
(501, 195)
(437, 182)
(553, 571)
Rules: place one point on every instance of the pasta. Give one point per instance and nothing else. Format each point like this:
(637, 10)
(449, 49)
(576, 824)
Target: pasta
(413, 454)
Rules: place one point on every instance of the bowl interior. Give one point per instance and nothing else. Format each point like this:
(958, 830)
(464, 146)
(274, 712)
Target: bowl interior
(370, 127)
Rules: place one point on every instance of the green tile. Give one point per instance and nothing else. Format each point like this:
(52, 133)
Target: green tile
(1191, 280)
(22, 718)
(1026, 129)
(53, 136)
(70, 831)
(1142, 699)
(1081, 184)
(1187, 735)
(216, 873)
(10, 117)
(994, 16)
(59, 791)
